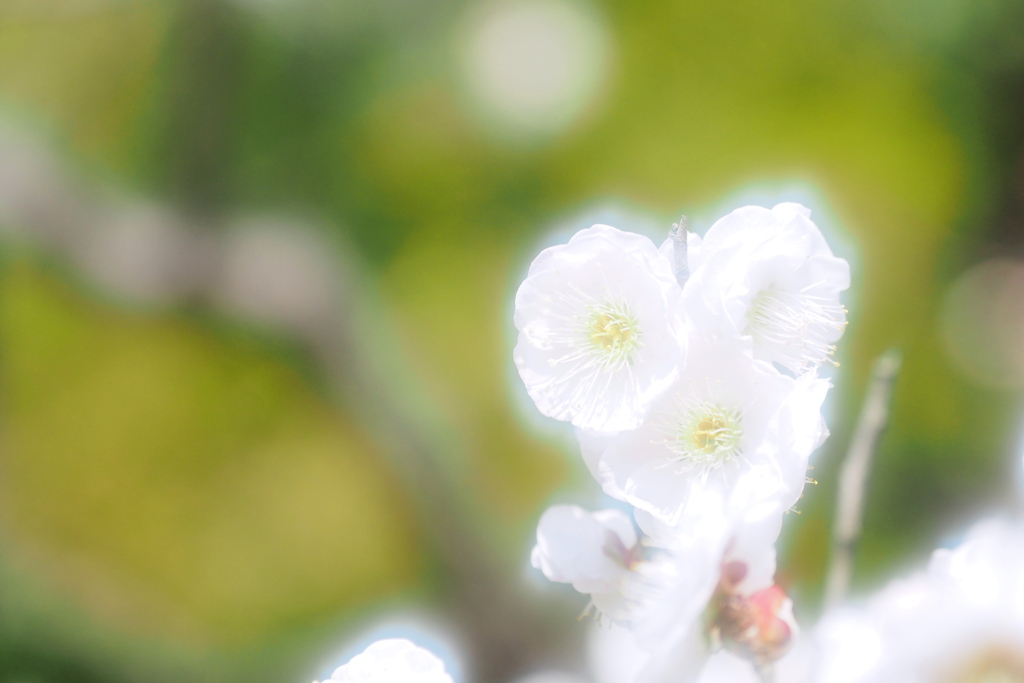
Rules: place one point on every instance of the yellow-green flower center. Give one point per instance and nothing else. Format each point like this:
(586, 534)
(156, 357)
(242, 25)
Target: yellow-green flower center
(613, 333)
(706, 436)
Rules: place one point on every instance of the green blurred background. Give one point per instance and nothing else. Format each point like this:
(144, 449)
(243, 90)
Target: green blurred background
(257, 262)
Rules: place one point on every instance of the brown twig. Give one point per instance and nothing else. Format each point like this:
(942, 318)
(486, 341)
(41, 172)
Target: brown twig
(874, 415)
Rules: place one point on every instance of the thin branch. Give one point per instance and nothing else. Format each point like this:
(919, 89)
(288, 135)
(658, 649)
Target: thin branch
(678, 236)
(853, 478)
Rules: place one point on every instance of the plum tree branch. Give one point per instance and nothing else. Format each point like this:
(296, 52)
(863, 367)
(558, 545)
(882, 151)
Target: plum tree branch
(874, 416)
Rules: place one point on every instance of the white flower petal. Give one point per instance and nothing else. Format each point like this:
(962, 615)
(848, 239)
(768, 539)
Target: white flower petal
(725, 415)
(769, 277)
(393, 661)
(592, 551)
(613, 655)
(600, 336)
(725, 667)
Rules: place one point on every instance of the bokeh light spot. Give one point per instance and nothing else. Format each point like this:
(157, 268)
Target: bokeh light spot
(534, 66)
(982, 323)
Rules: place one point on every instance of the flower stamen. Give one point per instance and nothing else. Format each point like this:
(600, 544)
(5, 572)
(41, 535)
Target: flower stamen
(612, 333)
(795, 328)
(705, 436)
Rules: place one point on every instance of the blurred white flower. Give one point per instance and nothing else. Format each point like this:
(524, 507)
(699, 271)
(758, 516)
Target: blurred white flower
(850, 646)
(713, 583)
(550, 676)
(669, 598)
(726, 667)
(708, 585)
(724, 416)
(599, 336)
(702, 583)
(394, 660)
(614, 657)
(960, 621)
(594, 551)
(769, 278)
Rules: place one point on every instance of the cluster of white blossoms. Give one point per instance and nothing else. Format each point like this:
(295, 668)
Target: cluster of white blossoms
(690, 374)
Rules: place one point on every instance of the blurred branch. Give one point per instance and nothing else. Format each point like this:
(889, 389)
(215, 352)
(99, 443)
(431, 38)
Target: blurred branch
(284, 275)
(502, 628)
(853, 478)
(202, 105)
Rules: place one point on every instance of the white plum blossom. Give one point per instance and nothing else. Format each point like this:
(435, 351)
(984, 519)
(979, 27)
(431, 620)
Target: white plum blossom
(600, 335)
(394, 660)
(594, 551)
(725, 415)
(712, 585)
(961, 621)
(768, 277)
(708, 584)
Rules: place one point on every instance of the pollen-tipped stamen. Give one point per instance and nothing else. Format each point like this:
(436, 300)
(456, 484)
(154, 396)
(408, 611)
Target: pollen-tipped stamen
(795, 328)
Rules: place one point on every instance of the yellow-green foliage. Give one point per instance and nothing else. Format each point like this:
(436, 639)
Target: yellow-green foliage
(192, 483)
(182, 483)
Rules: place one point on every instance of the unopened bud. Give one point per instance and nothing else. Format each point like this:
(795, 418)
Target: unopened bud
(760, 626)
